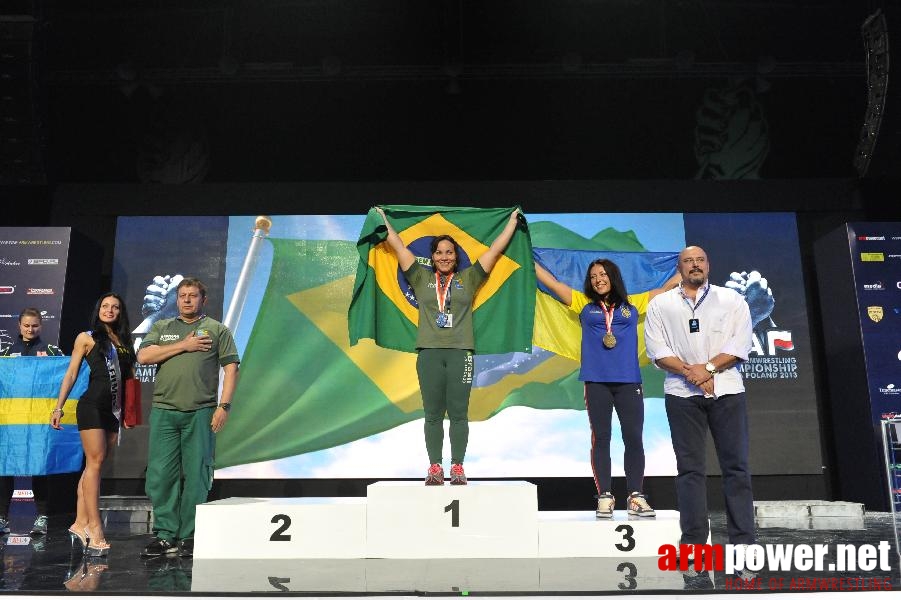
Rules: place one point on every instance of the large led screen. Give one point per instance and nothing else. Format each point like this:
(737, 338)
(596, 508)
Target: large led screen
(310, 405)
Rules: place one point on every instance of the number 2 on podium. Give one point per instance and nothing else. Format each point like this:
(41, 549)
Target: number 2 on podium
(454, 509)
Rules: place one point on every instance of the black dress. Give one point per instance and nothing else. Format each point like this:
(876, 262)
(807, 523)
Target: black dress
(95, 407)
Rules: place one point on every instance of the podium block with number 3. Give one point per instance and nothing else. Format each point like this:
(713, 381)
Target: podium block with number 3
(479, 520)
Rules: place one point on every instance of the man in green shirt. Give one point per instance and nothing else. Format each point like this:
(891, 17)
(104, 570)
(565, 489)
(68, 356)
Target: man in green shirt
(188, 351)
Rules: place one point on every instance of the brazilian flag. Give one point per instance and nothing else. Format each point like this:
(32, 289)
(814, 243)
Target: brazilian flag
(384, 308)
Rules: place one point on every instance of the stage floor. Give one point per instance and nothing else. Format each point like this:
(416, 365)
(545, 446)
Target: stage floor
(46, 565)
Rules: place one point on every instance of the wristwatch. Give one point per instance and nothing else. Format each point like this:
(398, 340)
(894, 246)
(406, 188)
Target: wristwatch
(710, 368)
(226, 406)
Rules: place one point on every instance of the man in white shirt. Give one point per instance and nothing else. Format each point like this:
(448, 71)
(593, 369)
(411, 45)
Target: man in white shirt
(699, 333)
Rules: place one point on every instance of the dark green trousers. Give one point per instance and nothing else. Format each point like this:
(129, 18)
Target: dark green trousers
(445, 380)
(181, 443)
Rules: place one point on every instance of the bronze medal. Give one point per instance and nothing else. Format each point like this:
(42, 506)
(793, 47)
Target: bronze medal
(609, 340)
(625, 312)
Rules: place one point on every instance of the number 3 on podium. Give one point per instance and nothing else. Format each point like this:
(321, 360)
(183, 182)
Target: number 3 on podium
(628, 542)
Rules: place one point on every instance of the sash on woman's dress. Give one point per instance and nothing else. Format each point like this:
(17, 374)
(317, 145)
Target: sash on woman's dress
(115, 379)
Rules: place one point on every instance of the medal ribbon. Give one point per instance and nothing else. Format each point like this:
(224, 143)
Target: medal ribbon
(608, 316)
(442, 294)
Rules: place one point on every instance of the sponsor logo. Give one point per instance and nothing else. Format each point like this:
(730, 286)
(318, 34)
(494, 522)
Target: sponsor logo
(875, 313)
(9, 263)
(895, 256)
(890, 390)
(872, 256)
(43, 261)
(871, 238)
(40, 291)
(895, 238)
(18, 540)
(7, 289)
(782, 558)
(765, 361)
(774, 339)
(876, 286)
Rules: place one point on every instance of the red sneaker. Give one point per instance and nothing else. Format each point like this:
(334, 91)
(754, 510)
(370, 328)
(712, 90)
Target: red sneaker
(457, 476)
(435, 475)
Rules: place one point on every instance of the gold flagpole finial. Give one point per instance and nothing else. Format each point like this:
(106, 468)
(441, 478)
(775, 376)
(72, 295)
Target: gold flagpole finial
(263, 222)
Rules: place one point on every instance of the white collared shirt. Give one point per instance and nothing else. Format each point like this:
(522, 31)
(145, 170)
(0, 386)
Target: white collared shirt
(724, 321)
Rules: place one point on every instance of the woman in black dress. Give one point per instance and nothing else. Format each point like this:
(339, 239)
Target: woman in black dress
(108, 350)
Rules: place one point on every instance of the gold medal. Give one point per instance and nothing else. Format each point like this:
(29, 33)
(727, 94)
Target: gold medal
(609, 340)
(625, 312)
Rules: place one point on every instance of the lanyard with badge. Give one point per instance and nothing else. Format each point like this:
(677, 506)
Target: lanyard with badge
(694, 324)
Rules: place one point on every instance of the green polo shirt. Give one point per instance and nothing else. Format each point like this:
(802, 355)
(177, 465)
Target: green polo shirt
(463, 289)
(190, 380)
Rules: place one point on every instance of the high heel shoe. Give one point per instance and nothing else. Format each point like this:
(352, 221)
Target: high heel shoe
(86, 576)
(97, 548)
(77, 571)
(77, 540)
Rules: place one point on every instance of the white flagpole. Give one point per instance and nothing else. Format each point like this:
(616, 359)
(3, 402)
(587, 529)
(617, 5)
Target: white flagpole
(239, 296)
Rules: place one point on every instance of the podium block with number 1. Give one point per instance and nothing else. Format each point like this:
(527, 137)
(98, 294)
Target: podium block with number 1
(491, 520)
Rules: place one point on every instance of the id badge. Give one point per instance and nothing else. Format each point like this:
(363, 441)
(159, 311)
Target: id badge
(449, 322)
(694, 326)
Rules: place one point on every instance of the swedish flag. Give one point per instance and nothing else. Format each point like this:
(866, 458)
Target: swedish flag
(29, 386)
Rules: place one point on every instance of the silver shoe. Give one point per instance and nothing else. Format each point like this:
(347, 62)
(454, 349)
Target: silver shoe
(40, 525)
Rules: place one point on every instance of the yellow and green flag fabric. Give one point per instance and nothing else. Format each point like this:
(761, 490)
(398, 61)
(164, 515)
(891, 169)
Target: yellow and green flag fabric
(304, 387)
(383, 307)
(29, 386)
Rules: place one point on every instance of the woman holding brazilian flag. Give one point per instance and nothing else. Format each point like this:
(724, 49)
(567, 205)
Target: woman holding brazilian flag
(445, 341)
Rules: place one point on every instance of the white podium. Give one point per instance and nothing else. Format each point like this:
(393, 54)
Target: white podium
(564, 534)
(479, 520)
(281, 528)
(408, 520)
